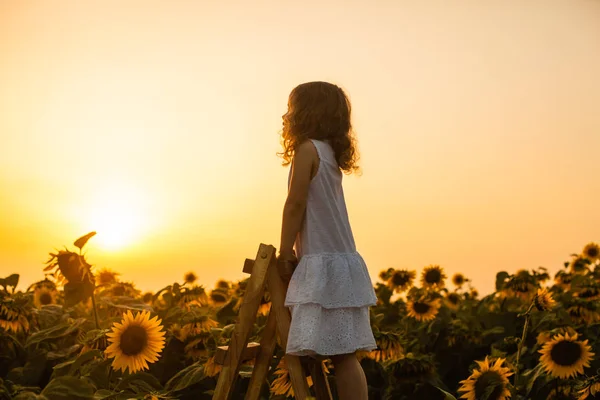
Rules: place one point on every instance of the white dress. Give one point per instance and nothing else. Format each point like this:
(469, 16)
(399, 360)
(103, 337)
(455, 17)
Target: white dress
(330, 291)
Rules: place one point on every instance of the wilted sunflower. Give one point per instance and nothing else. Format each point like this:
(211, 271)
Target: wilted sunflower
(591, 251)
(190, 277)
(458, 279)
(401, 280)
(423, 310)
(453, 300)
(200, 324)
(565, 356)
(433, 277)
(490, 378)
(106, 277)
(195, 296)
(563, 280)
(581, 314)
(389, 346)
(147, 297)
(211, 368)
(590, 389)
(578, 264)
(543, 300)
(219, 296)
(589, 293)
(44, 295)
(13, 318)
(413, 367)
(135, 342)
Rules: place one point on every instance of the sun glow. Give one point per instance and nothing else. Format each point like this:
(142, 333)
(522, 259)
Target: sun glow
(118, 217)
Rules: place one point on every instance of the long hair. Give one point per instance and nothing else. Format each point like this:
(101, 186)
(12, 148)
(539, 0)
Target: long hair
(321, 111)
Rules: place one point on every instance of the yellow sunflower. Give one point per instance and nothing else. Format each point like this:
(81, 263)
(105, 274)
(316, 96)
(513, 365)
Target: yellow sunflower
(433, 277)
(222, 284)
(543, 300)
(190, 277)
(388, 347)
(487, 376)
(201, 324)
(423, 310)
(282, 385)
(106, 277)
(44, 295)
(135, 342)
(565, 356)
(458, 279)
(589, 293)
(591, 251)
(401, 280)
(591, 391)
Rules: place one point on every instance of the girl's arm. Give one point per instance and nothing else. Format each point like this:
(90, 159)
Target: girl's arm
(295, 204)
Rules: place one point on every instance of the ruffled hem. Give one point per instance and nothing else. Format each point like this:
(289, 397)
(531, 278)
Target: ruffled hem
(318, 331)
(332, 280)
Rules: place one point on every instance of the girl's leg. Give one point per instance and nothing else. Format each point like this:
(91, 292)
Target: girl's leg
(349, 377)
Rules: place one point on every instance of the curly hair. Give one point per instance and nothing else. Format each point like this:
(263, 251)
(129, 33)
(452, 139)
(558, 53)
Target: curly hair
(321, 111)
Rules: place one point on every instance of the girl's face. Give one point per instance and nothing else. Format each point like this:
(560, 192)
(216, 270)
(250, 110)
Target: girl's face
(285, 117)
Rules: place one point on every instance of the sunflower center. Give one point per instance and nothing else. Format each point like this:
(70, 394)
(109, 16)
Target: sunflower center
(399, 278)
(565, 353)
(45, 298)
(485, 381)
(133, 340)
(433, 276)
(593, 252)
(421, 308)
(459, 280)
(453, 298)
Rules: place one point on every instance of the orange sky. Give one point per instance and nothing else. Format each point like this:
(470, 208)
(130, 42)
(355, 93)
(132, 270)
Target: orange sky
(156, 124)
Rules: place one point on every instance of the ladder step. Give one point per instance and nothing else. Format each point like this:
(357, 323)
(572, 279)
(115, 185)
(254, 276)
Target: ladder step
(249, 353)
(248, 265)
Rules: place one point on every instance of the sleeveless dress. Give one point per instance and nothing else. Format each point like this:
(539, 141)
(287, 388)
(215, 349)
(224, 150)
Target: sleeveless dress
(330, 291)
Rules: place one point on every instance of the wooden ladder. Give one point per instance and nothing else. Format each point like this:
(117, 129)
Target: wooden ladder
(263, 272)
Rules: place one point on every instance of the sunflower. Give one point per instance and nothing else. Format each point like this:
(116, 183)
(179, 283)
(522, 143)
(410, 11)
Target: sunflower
(401, 280)
(211, 368)
(282, 385)
(433, 277)
(195, 296)
(106, 277)
(222, 284)
(219, 296)
(565, 356)
(147, 297)
(489, 378)
(591, 251)
(44, 295)
(190, 277)
(581, 314)
(589, 293)
(201, 324)
(543, 300)
(13, 318)
(578, 264)
(458, 279)
(423, 310)
(388, 346)
(590, 389)
(563, 280)
(453, 300)
(135, 342)
(474, 293)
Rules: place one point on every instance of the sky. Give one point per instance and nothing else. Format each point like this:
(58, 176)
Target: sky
(157, 125)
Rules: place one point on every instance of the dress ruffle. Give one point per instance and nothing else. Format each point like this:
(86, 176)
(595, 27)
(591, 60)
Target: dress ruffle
(332, 280)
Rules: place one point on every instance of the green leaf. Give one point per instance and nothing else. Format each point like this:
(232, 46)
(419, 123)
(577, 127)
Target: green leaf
(139, 376)
(75, 365)
(448, 395)
(186, 377)
(68, 388)
(63, 353)
(29, 396)
(54, 332)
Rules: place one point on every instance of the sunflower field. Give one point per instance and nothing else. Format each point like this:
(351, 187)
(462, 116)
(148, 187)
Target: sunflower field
(83, 333)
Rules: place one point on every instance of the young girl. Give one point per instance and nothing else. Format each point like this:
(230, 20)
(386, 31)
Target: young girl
(330, 290)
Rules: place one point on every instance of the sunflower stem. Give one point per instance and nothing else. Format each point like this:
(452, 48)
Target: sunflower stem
(523, 336)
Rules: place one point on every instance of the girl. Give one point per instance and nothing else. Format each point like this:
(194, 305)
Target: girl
(330, 290)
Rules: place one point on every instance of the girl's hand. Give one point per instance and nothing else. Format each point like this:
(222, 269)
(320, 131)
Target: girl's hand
(286, 264)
